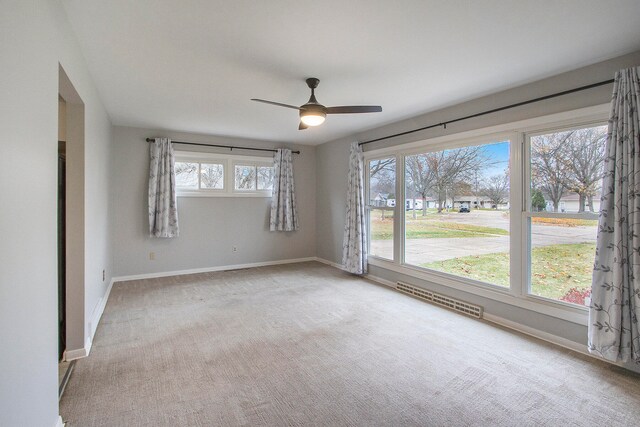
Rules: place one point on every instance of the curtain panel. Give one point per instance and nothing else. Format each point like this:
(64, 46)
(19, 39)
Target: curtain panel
(354, 245)
(284, 215)
(615, 290)
(163, 211)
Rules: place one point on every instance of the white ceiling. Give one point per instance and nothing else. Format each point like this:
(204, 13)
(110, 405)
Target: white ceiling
(193, 65)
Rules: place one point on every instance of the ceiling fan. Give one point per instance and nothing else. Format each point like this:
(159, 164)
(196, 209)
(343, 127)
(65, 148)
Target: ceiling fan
(313, 113)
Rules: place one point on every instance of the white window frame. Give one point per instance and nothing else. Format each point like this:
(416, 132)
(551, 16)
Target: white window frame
(254, 164)
(396, 210)
(228, 161)
(528, 214)
(518, 292)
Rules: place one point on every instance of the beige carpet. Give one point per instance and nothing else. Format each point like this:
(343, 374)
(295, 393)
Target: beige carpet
(306, 344)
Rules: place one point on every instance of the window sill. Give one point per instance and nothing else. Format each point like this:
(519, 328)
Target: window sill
(570, 313)
(223, 194)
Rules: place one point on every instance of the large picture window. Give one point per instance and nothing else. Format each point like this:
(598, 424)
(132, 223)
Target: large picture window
(457, 212)
(564, 186)
(510, 214)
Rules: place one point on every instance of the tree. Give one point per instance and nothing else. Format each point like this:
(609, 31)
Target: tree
(538, 203)
(548, 171)
(212, 176)
(438, 172)
(419, 179)
(497, 189)
(583, 157)
(382, 178)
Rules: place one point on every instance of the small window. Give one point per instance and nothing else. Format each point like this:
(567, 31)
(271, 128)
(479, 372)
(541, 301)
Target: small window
(186, 175)
(265, 177)
(199, 176)
(212, 176)
(245, 177)
(223, 175)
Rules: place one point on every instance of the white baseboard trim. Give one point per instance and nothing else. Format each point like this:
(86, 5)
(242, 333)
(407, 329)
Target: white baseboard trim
(211, 269)
(59, 422)
(331, 263)
(553, 339)
(98, 310)
(536, 333)
(381, 281)
(78, 353)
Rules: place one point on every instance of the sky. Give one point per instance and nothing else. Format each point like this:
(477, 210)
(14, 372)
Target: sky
(498, 154)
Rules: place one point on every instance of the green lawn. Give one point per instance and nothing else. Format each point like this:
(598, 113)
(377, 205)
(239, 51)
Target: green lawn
(555, 268)
(429, 227)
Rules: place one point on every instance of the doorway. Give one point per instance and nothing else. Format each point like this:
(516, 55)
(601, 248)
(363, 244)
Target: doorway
(62, 258)
(70, 229)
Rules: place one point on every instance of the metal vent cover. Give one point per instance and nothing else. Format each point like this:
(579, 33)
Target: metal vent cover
(441, 300)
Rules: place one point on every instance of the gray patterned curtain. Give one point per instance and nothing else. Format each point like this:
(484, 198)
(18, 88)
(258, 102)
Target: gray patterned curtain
(354, 245)
(163, 211)
(615, 290)
(284, 215)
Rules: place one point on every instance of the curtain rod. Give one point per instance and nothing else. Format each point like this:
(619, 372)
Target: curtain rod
(230, 147)
(495, 110)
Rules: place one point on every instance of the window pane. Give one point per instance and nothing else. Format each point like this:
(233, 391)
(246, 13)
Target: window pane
(245, 177)
(457, 212)
(382, 200)
(212, 176)
(562, 255)
(265, 177)
(186, 175)
(567, 169)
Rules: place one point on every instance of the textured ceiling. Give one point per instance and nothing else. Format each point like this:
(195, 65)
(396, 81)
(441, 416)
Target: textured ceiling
(193, 65)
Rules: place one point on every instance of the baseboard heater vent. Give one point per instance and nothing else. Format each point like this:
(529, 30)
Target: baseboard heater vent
(452, 303)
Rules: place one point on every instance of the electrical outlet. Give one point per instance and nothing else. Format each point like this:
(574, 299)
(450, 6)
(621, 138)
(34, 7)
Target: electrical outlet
(152, 256)
(104, 276)
(234, 249)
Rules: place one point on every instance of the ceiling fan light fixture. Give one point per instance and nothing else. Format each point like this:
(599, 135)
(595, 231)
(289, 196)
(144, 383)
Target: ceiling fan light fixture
(312, 117)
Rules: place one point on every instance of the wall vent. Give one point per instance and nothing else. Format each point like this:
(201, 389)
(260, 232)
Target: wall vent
(444, 301)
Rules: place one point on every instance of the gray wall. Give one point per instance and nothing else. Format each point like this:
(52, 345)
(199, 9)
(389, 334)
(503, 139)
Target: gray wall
(332, 161)
(209, 226)
(35, 38)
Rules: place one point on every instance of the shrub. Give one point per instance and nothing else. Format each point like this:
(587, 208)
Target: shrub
(576, 295)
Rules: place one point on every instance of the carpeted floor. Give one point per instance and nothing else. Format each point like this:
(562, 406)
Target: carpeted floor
(305, 344)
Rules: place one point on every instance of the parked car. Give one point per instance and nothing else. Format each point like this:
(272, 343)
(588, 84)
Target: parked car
(464, 208)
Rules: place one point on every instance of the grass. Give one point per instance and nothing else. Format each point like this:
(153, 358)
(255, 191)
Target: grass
(555, 268)
(430, 227)
(565, 222)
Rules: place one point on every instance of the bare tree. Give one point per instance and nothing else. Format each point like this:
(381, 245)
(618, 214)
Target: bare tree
(449, 166)
(548, 171)
(265, 177)
(419, 179)
(376, 166)
(245, 177)
(583, 157)
(438, 173)
(211, 175)
(497, 189)
(382, 178)
(186, 174)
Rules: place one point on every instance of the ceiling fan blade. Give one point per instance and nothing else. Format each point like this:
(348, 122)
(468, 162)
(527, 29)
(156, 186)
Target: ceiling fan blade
(354, 109)
(302, 126)
(279, 104)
